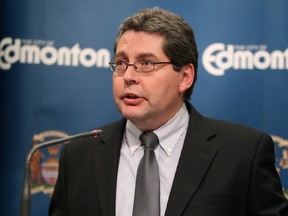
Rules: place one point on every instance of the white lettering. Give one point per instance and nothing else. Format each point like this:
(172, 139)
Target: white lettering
(217, 58)
(4, 65)
(103, 57)
(208, 59)
(243, 60)
(75, 54)
(43, 52)
(11, 55)
(88, 57)
(64, 56)
(262, 60)
(224, 59)
(48, 55)
(28, 53)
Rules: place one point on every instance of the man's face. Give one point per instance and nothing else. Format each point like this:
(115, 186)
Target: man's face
(147, 99)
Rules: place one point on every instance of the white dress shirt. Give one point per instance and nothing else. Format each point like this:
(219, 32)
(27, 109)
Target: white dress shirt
(171, 138)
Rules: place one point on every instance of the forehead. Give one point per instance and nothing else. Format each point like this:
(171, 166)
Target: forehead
(140, 43)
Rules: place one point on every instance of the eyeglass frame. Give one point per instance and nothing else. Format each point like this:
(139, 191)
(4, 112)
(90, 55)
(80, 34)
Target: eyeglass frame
(134, 66)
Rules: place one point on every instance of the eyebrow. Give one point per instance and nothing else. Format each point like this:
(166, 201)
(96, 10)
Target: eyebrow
(141, 55)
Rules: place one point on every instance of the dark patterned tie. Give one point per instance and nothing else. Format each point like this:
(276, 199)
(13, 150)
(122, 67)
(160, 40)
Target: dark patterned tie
(147, 190)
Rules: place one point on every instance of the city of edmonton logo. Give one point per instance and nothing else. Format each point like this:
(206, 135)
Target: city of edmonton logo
(281, 154)
(217, 58)
(30, 51)
(44, 163)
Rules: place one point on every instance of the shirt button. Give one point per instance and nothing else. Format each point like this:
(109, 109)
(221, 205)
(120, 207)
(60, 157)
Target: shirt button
(170, 150)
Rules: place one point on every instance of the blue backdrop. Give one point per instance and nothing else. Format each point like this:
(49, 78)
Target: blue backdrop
(55, 80)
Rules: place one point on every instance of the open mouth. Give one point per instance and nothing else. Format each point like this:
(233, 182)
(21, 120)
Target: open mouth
(132, 99)
(129, 96)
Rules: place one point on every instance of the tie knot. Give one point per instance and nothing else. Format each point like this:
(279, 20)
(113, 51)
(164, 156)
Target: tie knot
(149, 140)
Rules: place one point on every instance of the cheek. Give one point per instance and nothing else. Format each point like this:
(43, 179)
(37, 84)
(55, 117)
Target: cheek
(172, 82)
(163, 88)
(117, 86)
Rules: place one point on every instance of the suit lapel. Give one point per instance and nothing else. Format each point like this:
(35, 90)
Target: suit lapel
(196, 157)
(106, 160)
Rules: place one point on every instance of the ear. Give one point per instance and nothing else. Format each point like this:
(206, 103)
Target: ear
(187, 73)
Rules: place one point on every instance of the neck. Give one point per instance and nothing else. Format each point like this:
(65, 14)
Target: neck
(153, 123)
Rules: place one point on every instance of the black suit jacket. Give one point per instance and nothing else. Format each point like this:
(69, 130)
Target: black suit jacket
(224, 170)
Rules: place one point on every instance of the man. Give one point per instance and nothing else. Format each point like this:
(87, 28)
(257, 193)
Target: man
(205, 166)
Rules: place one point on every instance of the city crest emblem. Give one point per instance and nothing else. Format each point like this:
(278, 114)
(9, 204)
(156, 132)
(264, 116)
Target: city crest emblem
(44, 163)
(281, 155)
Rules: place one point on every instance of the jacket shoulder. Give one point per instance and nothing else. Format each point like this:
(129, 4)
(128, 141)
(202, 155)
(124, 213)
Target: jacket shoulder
(84, 145)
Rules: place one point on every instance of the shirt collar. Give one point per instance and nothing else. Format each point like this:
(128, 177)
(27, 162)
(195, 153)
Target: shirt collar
(168, 134)
(131, 135)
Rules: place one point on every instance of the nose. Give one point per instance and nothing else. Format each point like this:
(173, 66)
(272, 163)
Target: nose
(131, 76)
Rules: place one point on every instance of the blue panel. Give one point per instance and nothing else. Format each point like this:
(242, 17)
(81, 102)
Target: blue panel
(47, 91)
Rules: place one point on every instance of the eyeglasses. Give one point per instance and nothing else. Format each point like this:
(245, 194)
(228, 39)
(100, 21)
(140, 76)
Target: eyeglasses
(139, 66)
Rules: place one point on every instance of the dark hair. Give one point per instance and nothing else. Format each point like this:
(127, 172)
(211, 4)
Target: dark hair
(180, 45)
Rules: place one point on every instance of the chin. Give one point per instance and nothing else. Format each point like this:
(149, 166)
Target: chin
(132, 114)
